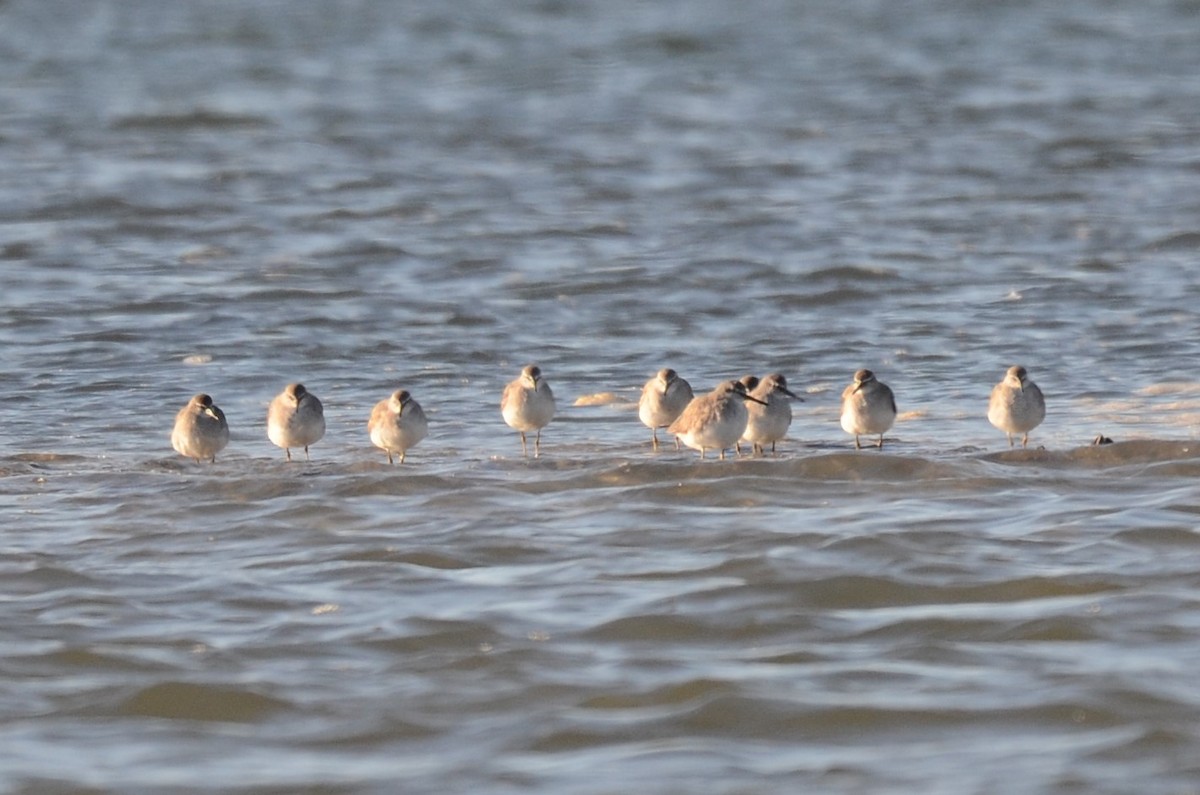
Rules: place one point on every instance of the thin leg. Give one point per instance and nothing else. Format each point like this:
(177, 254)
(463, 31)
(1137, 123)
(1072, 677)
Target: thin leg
(881, 441)
(722, 453)
(1024, 441)
(676, 442)
(306, 458)
(389, 452)
(288, 450)
(857, 444)
(401, 456)
(1010, 438)
(772, 448)
(524, 449)
(654, 438)
(537, 444)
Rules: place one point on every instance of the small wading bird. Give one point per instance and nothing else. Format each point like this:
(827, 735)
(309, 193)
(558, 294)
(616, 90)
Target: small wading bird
(397, 424)
(664, 397)
(714, 421)
(750, 381)
(295, 419)
(1017, 405)
(868, 407)
(769, 420)
(528, 405)
(200, 430)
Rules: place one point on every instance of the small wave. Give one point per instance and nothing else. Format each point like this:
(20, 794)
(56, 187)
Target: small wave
(93, 660)
(1117, 454)
(196, 119)
(420, 558)
(200, 702)
(426, 636)
(676, 44)
(843, 295)
(1171, 388)
(860, 592)
(1082, 154)
(204, 254)
(656, 629)
(280, 294)
(673, 694)
(872, 465)
(852, 273)
(50, 458)
(105, 206)
(368, 250)
(603, 399)
(1183, 241)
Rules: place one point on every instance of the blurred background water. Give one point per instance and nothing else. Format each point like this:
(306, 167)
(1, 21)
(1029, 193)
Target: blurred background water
(228, 196)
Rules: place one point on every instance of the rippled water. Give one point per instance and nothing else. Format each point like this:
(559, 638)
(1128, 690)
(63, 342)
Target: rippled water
(228, 196)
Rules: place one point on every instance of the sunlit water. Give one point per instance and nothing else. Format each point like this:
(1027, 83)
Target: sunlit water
(227, 197)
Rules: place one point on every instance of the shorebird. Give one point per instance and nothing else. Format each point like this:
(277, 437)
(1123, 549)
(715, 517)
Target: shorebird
(750, 381)
(868, 407)
(769, 421)
(200, 430)
(714, 421)
(528, 405)
(664, 397)
(1017, 405)
(397, 424)
(295, 419)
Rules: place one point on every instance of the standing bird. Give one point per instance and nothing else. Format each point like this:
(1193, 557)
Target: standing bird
(295, 419)
(714, 421)
(868, 407)
(664, 397)
(528, 405)
(750, 381)
(397, 424)
(1017, 405)
(200, 430)
(769, 421)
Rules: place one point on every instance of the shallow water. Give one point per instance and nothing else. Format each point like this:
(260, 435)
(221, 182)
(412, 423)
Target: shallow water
(227, 197)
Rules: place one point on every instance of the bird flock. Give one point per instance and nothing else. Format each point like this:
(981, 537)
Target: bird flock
(753, 410)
